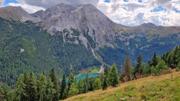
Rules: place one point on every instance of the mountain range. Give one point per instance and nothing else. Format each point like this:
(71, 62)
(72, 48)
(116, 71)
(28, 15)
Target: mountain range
(78, 37)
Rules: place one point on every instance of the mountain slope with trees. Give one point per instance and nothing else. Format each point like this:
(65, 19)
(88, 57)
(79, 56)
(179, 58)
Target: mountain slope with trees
(31, 87)
(26, 47)
(64, 37)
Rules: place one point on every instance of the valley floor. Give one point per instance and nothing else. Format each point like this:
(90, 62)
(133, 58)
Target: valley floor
(152, 88)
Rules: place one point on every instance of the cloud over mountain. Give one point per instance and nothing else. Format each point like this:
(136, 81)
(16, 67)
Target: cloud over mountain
(126, 12)
(49, 3)
(135, 12)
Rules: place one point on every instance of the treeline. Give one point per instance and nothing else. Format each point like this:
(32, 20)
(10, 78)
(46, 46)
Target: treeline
(30, 87)
(49, 88)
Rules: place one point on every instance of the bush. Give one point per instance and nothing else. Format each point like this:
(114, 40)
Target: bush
(156, 70)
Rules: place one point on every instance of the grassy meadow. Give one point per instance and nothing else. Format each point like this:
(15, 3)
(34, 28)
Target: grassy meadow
(153, 88)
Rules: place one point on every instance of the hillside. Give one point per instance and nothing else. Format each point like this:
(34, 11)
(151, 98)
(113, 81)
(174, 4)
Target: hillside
(107, 40)
(24, 47)
(15, 13)
(159, 88)
(64, 37)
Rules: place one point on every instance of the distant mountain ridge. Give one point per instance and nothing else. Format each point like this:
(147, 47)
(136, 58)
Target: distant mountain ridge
(15, 13)
(81, 37)
(80, 15)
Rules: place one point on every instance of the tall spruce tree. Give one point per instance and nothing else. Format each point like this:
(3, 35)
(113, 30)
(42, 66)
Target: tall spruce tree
(105, 79)
(113, 76)
(86, 84)
(97, 84)
(26, 88)
(50, 91)
(31, 88)
(41, 88)
(20, 89)
(127, 68)
(63, 87)
(5, 93)
(138, 68)
(154, 61)
(55, 82)
(91, 84)
(70, 82)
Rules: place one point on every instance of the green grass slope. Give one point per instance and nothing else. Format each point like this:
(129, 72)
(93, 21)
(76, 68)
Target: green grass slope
(153, 88)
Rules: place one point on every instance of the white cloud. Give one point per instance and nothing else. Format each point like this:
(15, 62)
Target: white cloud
(28, 8)
(49, 3)
(1, 3)
(135, 13)
(32, 6)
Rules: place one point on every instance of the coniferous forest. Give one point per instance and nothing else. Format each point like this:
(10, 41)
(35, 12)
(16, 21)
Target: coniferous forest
(49, 87)
(72, 49)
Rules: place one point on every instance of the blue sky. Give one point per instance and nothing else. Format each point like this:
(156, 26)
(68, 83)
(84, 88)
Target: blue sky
(159, 9)
(106, 0)
(9, 1)
(126, 12)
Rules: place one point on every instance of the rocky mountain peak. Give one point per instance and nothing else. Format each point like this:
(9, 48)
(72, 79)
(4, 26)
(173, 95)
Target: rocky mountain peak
(12, 13)
(85, 18)
(15, 13)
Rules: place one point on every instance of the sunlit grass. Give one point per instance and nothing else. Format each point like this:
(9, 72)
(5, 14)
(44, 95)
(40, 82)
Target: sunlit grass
(153, 88)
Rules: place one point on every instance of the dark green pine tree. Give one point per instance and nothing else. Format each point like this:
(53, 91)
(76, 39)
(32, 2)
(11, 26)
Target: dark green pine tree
(70, 82)
(91, 82)
(63, 87)
(113, 76)
(50, 91)
(30, 87)
(80, 86)
(55, 82)
(138, 68)
(41, 88)
(127, 68)
(154, 61)
(105, 79)
(20, 89)
(5, 93)
(172, 58)
(86, 84)
(176, 56)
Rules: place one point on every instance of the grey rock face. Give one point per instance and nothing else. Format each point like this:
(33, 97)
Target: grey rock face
(17, 14)
(86, 19)
(106, 40)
